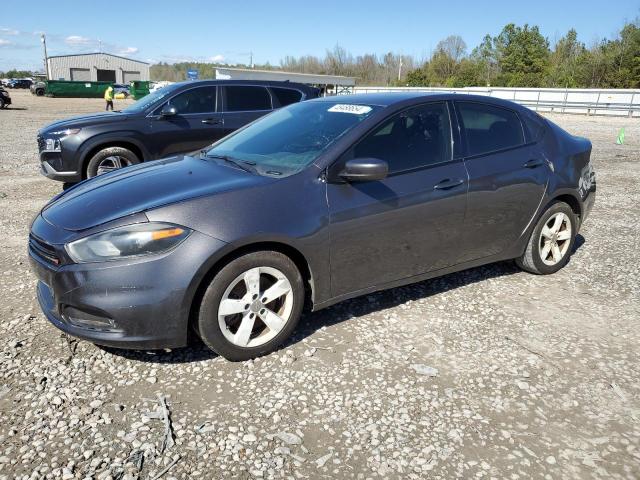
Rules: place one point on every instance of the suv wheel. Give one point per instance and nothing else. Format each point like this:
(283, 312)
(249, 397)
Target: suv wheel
(551, 241)
(110, 159)
(39, 92)
(252, 305)
(1, 103)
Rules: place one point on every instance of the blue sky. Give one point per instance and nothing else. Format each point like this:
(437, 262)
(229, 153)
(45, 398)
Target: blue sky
(227, 31)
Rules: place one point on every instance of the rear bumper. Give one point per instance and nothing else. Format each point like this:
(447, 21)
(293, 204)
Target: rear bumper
(143, 303)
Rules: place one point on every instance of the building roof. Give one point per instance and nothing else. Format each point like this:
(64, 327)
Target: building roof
(224, 73)
(97, 53)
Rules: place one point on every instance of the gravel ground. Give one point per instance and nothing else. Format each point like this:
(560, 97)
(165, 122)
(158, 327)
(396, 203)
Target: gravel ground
(487, 373)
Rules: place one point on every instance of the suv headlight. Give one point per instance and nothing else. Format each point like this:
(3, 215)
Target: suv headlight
(53, 144)
(127, 241)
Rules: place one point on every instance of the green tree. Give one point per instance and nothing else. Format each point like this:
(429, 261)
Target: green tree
(523, 55)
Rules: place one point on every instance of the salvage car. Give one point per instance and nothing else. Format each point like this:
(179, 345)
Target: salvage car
(5, 99)
(313, 204)
(182, 117)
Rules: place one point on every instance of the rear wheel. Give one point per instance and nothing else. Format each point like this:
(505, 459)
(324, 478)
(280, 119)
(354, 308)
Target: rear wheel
(109, 159)
(40, 92)
(252, 306)
(551, 241)
(2, 103)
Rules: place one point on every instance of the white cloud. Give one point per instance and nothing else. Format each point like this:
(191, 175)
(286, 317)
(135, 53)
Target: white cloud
(127, 51)
(217, 58)
(9, 31)
(77, 41)
(5, 43)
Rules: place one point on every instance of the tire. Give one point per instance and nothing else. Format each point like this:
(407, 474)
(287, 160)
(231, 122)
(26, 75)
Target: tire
(246, 310)
(40, 92)
(100, 160)
(1, 103)
(540, 256)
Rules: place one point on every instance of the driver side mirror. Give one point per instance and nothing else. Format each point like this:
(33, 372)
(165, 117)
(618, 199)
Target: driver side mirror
(168, 111)
(364, 170)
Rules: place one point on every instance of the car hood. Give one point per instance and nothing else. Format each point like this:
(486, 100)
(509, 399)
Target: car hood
(143, 187)
(85, 121)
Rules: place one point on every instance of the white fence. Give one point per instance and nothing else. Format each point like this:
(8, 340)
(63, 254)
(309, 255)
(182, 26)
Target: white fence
(614, 102)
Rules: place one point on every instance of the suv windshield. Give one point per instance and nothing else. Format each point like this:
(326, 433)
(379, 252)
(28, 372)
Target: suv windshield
(289, 139)
(148, 100)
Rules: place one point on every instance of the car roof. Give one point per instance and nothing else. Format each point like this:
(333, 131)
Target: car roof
(263, 83)
(386, 99)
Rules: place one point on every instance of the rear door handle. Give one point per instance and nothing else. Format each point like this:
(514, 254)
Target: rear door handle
(212, 121)
(447, 184)
(533, 163)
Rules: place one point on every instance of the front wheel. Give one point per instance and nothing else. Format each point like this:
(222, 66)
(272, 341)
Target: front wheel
(252, 306)
(551, 241)
(109, 159)
(1, 103)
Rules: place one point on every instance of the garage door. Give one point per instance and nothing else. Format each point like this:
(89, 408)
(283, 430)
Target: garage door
(129, 76)
(80, 75)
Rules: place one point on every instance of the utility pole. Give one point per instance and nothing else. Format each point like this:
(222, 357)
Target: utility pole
(250, 59)
(43, 39)
(400, 69)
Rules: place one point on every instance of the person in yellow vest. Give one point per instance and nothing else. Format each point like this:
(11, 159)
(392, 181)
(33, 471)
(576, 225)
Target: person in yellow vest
(108, 96)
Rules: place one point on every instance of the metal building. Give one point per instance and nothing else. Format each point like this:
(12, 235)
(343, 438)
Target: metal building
(96, 67)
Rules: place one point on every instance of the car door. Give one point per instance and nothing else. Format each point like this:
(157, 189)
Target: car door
(195, 125)
(408, 223)
(242, 104)
(507, 178)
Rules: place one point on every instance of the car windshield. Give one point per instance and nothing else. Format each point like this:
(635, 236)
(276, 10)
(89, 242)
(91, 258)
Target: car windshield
(148, 100)
(289, 139)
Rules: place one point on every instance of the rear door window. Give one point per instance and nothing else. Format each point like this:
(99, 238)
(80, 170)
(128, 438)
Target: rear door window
(196, 100)
(241, 98)
(286, 96)
(489, 128)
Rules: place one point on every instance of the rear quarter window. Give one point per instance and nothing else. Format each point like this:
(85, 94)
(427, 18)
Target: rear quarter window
(488, 128)
(535, 126)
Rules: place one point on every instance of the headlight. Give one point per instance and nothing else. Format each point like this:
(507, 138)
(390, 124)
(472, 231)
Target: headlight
(127, 241)
(53, 144)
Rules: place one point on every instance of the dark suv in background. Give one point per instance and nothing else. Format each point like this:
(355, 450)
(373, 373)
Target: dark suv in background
(179, 118)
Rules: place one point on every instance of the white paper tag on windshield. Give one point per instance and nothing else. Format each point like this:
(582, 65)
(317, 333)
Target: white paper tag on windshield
(347, 108)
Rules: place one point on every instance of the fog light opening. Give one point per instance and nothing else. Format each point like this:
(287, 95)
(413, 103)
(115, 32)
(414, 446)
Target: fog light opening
(82, 319)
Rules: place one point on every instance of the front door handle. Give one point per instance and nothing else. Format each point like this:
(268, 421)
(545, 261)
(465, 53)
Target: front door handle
(447, 184)
(212, 121)
(536, 162)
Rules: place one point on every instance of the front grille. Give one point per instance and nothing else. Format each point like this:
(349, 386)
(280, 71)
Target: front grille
(43, 250)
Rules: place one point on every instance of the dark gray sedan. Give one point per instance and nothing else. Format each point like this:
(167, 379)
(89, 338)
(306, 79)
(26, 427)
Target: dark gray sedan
(315, 203)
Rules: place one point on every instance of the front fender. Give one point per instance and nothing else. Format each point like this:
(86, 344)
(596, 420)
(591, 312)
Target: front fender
(110, 139)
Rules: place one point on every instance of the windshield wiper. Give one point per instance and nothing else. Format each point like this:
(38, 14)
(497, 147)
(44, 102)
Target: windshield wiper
(242, 165)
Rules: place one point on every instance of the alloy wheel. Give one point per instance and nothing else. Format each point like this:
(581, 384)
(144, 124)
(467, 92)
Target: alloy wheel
(255, 307)
(112, 163)
(555, 238)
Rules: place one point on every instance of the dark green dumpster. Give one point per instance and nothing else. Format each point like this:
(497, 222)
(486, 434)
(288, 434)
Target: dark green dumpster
(65, 88)
(139, 88)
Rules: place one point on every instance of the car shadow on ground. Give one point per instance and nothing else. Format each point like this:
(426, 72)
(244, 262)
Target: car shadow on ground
(357, 307)
(16, 108)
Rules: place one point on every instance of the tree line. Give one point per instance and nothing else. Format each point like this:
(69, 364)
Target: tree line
(519, 56)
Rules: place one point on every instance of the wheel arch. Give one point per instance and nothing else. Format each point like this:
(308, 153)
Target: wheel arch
(93, 148)
(300, 261)
(570, 199)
